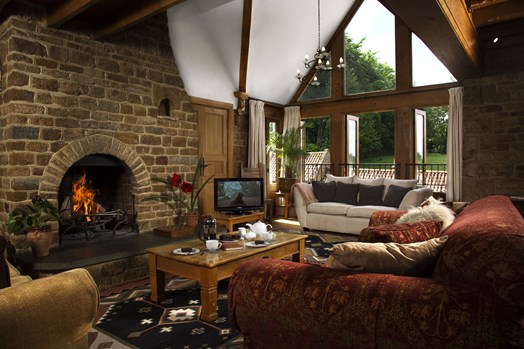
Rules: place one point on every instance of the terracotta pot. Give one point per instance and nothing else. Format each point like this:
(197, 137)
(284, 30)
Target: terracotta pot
(40, 242)
(191, 219)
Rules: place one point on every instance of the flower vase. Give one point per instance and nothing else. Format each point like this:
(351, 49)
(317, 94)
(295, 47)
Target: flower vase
(191, 219)
(179, 217)
(40, 242)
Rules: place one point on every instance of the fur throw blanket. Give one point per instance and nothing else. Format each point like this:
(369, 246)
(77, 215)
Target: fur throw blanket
(430, 210)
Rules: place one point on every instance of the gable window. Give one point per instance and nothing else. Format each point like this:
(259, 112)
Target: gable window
(369, 46)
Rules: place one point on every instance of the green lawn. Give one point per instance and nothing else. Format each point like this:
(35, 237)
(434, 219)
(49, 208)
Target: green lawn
(433, 158)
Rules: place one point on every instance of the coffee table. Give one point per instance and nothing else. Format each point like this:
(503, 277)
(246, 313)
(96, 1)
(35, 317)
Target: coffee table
(210, 267)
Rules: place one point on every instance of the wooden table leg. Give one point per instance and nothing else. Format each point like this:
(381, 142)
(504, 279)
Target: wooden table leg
(157, 280)
(299, 257)
(209, 294)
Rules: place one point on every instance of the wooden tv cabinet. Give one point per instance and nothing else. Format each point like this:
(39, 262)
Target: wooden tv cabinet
(229, 220)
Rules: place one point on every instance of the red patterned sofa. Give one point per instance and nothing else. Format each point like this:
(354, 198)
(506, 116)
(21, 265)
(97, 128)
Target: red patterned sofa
(473, 299)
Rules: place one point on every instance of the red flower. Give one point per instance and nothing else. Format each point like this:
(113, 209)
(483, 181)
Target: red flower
(176, 180)
(186, 187)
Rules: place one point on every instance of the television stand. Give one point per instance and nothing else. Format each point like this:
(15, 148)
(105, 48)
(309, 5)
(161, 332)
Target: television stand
(229, 220)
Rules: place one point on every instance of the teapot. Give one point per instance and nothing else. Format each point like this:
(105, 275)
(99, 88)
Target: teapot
(259, 228)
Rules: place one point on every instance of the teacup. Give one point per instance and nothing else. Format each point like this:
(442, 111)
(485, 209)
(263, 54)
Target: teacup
(269, 236)
(213, 245)
(242, 231)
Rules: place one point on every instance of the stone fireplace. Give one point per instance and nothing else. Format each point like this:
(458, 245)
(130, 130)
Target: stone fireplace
(68, 100)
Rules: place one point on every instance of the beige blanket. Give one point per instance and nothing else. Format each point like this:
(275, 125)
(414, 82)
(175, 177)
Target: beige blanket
(307, 192)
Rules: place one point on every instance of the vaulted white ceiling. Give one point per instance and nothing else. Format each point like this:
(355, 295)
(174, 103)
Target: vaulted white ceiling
(206, 39)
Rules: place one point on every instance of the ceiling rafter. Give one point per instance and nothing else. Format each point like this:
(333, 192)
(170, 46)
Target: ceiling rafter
(497, 12)
(132, 15)
(65, 10)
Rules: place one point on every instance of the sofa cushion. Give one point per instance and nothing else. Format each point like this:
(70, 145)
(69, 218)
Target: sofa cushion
(402, 233)
(365, 211)
(370, 195)
(406, 183)
(329, 208)
(324, 191)
(394, 195)
(432, 212)
(346, 193)
(331, 178)
(415, 259)
(366, 181)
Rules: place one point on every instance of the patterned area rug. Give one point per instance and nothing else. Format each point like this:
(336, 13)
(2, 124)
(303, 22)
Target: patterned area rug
(129, 319)
(137, 322)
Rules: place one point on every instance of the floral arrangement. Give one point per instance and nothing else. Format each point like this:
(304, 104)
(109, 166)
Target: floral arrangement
(33, 216)
(182, 193)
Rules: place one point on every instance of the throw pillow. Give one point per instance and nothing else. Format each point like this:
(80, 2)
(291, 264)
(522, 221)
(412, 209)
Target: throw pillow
(415, 259)
(324, 191)
(346, 193)
(5, 280)
(370, 195)
(431, 212)
(395, 195)
(401, 233)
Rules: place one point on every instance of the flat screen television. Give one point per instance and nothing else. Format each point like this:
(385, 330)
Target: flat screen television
(238, 195)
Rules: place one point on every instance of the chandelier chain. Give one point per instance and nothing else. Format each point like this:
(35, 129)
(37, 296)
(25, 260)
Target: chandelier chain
(318, 3)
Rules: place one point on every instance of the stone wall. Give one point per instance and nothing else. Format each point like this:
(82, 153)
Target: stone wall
(493, 154)
(65, 95)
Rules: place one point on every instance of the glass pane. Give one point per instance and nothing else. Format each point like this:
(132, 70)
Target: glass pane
(427, 69)
(419, 138)
(317, 142)
(352, 140)
(370, 49)
(272, 158)
(322, 90)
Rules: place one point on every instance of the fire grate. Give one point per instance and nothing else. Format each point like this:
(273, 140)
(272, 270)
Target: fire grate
(105, 222)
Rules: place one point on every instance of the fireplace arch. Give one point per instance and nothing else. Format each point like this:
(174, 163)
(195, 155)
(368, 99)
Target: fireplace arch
(63, 159)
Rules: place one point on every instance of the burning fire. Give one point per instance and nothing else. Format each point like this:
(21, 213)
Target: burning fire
(84, 198)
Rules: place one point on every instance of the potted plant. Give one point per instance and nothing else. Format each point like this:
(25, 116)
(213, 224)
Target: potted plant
(33, 220)
(289, 150)
(182, 195)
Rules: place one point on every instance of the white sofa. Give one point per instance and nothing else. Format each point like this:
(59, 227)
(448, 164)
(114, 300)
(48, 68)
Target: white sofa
(345, 218)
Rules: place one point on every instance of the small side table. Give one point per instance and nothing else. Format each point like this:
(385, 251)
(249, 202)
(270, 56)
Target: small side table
(230, 220)
(282, 200)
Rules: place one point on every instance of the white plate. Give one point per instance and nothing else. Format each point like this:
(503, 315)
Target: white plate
(252, 244)
(179, 251)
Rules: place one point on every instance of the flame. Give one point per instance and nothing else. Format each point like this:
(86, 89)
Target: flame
(84, 198)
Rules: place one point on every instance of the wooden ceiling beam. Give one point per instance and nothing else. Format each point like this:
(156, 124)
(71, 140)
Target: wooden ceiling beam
(132, 15)
(446, 27)
(66, 10)
(499, 12)
(244, 45)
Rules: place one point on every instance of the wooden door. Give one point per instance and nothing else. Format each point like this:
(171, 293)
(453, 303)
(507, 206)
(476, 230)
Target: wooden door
(215, 127)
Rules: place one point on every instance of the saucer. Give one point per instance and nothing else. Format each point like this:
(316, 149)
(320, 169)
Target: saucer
(252, 244)
(179, 252)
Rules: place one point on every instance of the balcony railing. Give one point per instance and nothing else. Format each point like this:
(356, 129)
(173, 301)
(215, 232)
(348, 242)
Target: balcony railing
(432, 175)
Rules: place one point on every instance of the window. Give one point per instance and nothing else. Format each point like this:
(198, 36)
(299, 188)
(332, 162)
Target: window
(322, 90)
(431, 129)
(369, 46)
(370, 146)
(427, 69)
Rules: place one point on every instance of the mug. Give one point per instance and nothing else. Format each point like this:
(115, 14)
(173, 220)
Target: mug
(213, 245)
(269, 236)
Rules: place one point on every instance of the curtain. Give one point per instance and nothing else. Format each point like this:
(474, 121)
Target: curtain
(454, 158)
(257, 135)
(291, 121)
(291, 117)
